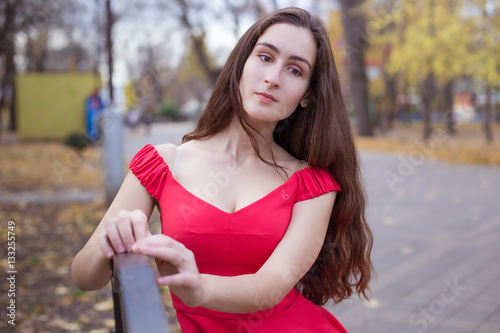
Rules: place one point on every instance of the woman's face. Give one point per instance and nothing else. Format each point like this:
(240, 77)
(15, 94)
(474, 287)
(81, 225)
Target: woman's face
(277, 73)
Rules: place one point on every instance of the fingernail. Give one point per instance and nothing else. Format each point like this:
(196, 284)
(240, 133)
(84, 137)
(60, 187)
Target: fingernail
(120, 248)
(135, 248)
(129, 247)
(109, 254)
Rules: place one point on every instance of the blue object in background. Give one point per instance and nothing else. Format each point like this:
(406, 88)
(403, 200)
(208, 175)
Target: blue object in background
(93, 109)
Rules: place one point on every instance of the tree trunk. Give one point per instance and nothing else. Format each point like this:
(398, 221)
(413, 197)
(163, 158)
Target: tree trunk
(487, 116)
(429, 85)
(447, 103)
(427, 89)
(356, 41)
(109, 47)
(8, 49)
(390, 102)
(389, 99)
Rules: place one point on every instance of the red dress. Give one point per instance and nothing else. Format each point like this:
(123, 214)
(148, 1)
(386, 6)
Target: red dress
(230, 244)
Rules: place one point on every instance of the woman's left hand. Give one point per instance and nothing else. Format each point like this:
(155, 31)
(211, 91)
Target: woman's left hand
(177, 267)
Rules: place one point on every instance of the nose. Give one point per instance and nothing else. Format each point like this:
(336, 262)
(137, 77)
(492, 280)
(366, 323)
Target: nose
(272, 77)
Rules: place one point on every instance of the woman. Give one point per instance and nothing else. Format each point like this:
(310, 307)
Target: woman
(262, 206)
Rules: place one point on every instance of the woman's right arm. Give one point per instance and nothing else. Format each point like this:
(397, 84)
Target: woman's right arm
(125, 222)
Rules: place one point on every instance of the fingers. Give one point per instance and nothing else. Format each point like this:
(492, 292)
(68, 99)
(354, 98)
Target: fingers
(106, 246)
(121, 232)
(181, 279)
(125, 237)
(140, 225)
(168, 254)
(112, 234)
(160, 240)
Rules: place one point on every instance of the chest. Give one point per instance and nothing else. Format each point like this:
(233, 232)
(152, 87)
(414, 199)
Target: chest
(228, 186)
(227, 243)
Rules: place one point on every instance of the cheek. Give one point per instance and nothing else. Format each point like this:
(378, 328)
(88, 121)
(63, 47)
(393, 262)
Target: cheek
(300, 93)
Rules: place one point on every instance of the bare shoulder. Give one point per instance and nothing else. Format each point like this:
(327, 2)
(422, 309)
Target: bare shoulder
(171, 152)
(194, 147)
(167, 151)
(290, 162)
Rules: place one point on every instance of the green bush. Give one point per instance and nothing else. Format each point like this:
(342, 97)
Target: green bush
(79, 141)
(168, 109)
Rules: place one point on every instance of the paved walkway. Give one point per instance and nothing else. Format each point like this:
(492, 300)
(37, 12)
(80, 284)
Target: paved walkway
(436, 248)
(436, 251)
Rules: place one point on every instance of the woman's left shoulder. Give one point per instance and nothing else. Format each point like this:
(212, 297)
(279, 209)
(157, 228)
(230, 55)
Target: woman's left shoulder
(290, 163)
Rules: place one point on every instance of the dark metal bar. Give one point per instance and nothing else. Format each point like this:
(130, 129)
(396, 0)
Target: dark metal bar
(138, 304)
(117, 306)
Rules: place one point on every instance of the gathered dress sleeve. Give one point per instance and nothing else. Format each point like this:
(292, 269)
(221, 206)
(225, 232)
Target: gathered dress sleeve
(151, 170)
(314, 182)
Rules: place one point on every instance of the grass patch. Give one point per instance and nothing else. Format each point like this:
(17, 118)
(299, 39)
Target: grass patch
(467, 146)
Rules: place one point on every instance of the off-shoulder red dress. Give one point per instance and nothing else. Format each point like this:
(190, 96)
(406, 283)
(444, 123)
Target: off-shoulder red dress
(230, 244)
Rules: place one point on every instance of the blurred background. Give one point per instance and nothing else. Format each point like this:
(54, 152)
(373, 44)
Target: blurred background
(422, 83)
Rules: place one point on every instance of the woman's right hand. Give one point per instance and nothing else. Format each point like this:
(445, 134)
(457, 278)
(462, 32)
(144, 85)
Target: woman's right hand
(122, 231)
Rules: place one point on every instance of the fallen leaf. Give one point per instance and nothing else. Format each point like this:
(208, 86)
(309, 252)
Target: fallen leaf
(109, 322)
(61, 290)
(388, 220)
(104, 305)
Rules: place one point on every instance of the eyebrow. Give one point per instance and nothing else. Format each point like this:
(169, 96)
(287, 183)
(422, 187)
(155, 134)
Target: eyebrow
(294, 57)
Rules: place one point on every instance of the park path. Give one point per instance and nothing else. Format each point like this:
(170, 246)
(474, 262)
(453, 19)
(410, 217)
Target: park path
(436, 253)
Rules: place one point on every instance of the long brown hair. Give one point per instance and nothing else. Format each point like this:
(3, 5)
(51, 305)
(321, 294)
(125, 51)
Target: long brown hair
(321, 135)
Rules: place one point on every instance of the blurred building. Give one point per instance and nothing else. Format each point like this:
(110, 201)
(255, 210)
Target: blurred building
(52, 105)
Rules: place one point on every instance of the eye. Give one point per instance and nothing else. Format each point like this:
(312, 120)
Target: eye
(295, 72)
(265, 58)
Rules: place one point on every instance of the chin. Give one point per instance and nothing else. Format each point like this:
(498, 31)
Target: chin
(261, 117)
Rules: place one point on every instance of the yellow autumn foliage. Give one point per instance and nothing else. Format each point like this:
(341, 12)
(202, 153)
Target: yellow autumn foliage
(130, 95)
(450, 37)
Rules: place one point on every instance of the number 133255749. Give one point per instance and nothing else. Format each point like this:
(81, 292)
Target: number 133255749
(11, 245)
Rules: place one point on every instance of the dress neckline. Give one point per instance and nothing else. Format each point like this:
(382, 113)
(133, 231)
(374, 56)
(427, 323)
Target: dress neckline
(253, 203)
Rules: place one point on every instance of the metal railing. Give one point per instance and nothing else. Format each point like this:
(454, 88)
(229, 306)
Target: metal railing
(137, 301)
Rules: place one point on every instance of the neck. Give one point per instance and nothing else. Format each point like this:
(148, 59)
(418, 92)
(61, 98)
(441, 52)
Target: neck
(235, 141)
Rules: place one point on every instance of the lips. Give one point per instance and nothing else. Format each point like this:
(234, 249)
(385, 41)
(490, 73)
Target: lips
(266, 98)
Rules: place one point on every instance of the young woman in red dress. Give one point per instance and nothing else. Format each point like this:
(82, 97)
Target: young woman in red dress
(262, 205)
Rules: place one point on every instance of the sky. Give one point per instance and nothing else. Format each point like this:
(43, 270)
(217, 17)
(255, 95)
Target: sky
(165, 34)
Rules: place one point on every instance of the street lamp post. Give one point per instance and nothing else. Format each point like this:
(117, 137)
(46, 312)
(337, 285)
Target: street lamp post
(112, 125)
(113, 151)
